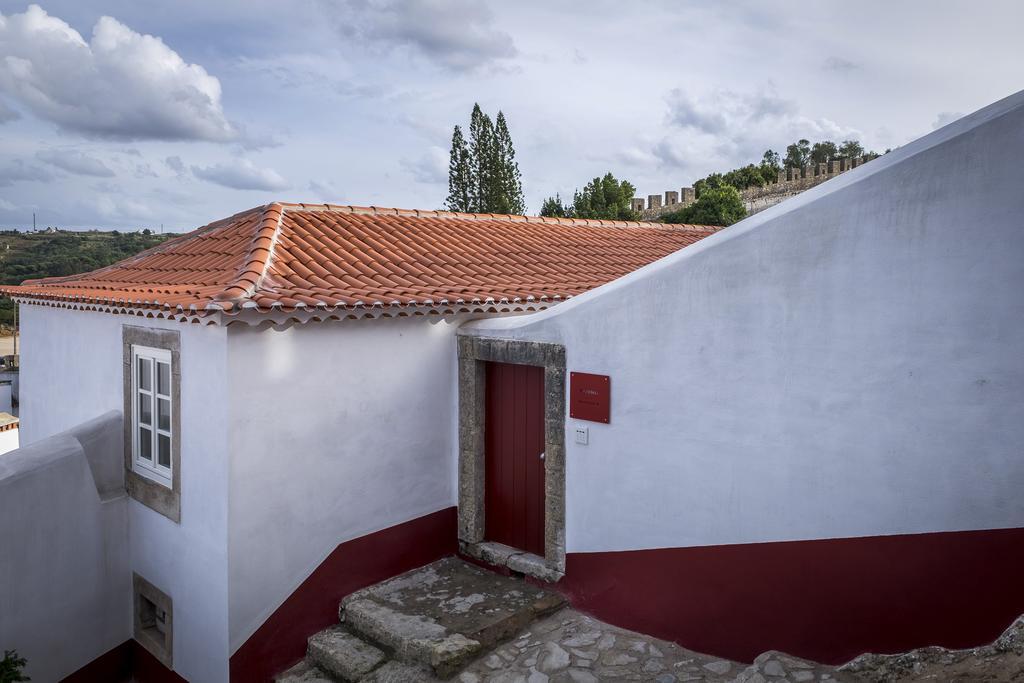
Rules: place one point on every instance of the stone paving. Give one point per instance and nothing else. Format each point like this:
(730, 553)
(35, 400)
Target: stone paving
(570, 647)
(457, 621)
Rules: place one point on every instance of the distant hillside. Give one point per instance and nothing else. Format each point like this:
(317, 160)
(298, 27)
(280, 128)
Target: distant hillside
(26, 256)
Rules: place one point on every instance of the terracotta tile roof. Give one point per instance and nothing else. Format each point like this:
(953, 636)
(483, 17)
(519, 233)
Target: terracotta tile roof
(294, 257)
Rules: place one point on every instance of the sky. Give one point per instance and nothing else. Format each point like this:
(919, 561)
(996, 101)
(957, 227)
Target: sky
(128, 114)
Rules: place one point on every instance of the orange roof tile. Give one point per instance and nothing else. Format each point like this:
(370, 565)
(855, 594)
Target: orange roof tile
(300, 257)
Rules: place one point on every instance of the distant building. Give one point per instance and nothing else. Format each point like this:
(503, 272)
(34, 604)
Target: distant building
(8, 430)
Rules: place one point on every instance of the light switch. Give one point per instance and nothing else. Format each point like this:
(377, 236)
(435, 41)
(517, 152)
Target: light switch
(583, 435)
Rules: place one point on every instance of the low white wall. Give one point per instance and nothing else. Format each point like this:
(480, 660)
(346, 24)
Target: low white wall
(8, 440)
(65, 585)
(71, 369)
(847, 363)
(337, 430)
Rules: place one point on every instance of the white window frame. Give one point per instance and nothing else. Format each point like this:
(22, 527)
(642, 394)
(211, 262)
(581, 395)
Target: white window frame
(151, 468)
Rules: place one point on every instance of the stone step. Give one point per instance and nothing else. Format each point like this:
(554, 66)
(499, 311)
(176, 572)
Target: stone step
(445, 614)
(413, 640)
(343, 655)
(303, 672)
(400, 672)
(389, 672)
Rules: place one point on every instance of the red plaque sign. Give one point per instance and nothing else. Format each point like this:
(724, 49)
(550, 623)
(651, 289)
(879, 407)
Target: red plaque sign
(590, 397)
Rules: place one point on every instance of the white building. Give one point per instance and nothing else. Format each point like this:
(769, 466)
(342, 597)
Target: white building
(801, 433)
(289, 381)
(8, 430)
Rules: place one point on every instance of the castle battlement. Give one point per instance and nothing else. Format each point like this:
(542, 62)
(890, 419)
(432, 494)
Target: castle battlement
(789, 182)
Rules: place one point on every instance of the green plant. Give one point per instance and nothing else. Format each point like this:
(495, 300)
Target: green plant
(553, 207)
(719, 205)
(11, 668)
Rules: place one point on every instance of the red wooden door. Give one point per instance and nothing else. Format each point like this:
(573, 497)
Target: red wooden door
(514, 471)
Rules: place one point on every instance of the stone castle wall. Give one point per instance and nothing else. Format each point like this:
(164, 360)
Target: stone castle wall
(790, 182)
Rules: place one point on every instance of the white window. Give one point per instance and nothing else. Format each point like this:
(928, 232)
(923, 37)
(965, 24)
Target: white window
(151, 413)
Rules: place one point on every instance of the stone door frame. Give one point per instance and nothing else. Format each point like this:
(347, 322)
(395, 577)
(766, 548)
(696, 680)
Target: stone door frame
(473, 353)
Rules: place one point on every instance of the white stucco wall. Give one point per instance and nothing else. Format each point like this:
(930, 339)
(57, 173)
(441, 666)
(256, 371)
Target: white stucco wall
(9, 439)
(65, 586)
(71, 371)
(337, 430)
(847, 363)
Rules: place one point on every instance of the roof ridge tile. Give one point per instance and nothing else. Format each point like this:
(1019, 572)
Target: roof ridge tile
(254, 267)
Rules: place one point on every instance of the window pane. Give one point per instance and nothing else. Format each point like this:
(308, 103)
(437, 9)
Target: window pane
(163, 413)
(145, 409)
(145, 374)
(145, 444)
(163, 450)
(163, 382)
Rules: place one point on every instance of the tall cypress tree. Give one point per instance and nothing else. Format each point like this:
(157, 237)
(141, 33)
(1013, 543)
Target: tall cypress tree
(483, 176)
(509, 177)
(481, 152)
(460, 175)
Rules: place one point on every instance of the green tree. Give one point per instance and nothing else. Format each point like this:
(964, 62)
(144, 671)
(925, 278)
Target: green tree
(823, 152)
(798, 155)
(460, 175)
(770, 166)
(747, 176)
(719, 205)
(507, 169)
(713, 181)
(11, 668)
(553, 207)
(851, 149)
(485, 187)
(483, 176)
(605, 198)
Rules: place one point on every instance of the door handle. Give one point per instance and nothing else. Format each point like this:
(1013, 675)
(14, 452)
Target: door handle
(541, 456)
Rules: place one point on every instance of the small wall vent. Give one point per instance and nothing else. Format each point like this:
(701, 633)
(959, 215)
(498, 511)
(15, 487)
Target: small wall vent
(154, 626)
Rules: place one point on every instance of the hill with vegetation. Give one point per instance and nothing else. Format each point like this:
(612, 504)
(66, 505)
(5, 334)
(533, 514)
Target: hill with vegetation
(54, 253)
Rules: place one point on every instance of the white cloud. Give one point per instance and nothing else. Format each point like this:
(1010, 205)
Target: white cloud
(430, 168)
(241, 175)
(724, 129)
(108, 206)
(458, 34)
(351, 108)
(120, 84)
(324, 191)
(7, 114)
(723, 110)
(176, 164)
(17, 170)
(839, 64)
(145, 171)
(945, 118)
(75, 162)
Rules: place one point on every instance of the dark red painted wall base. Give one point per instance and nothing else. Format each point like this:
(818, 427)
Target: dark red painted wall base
(129, 661)
(355, 564)
(826, 600)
